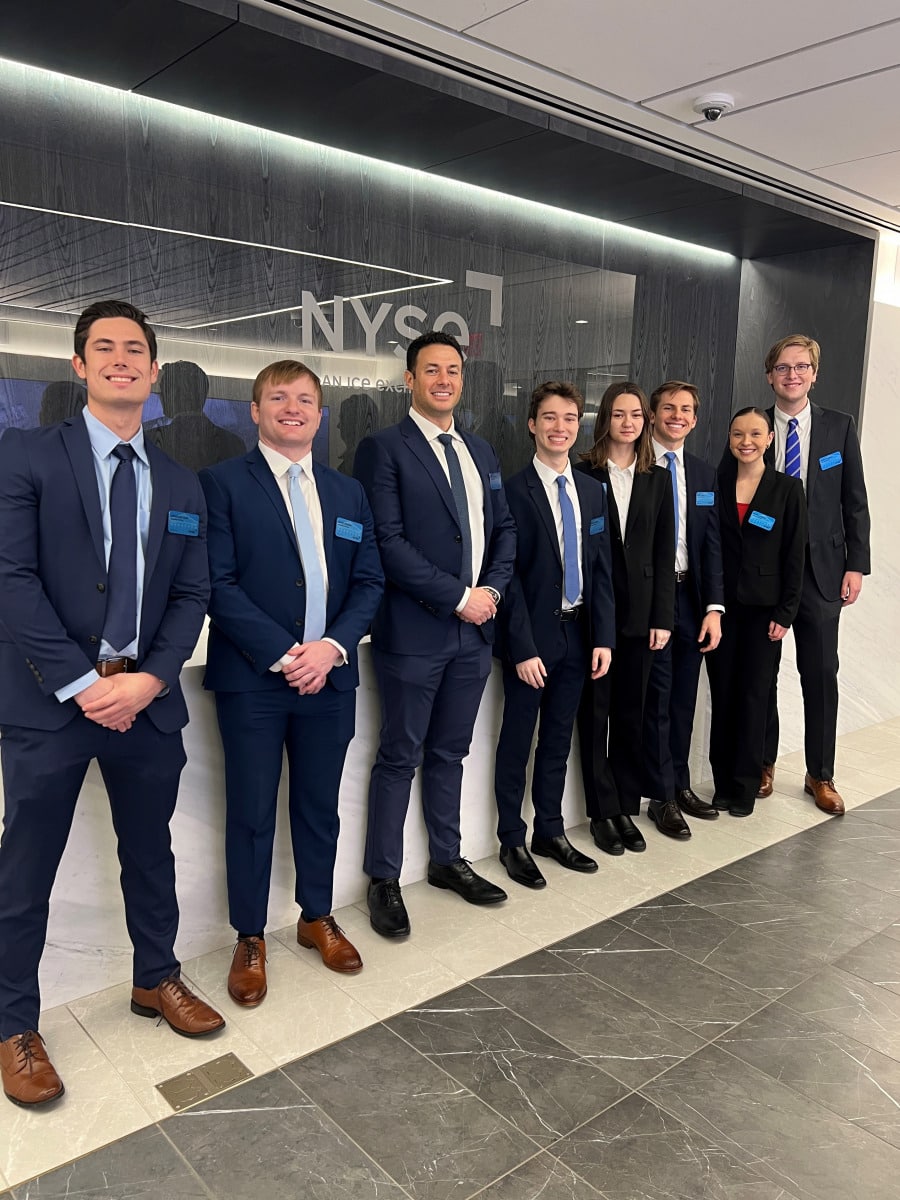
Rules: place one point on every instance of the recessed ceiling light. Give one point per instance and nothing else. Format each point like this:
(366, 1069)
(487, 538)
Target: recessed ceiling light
(581, 321)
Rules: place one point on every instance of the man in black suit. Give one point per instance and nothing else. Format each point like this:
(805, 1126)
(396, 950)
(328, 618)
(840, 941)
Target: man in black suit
(558, 623)
(699, 597)
(821, 448)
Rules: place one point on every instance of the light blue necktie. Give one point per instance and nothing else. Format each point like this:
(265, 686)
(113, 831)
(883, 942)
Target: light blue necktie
(672, 459)
(792, 450)
(570, 542)
(458, 488)
(309, 555)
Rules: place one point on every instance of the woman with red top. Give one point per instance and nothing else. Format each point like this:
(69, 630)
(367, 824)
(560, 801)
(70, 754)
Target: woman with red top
(763, 524)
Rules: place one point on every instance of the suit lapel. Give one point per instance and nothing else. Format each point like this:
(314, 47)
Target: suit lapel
(538, 496)
(487, 506)
(327, 502)
(81, 458)
(160, 504)
(262, 473)
(586, 517)
(417, 442)
(818, 434)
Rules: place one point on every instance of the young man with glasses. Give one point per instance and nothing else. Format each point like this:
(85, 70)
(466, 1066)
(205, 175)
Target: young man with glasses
(821, 448)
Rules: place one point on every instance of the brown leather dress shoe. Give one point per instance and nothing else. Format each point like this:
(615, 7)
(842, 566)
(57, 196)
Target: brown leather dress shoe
(247, 976)
(826, 795)
(325, 935)
(28, 1074)
(766, 781)
(174, 1002)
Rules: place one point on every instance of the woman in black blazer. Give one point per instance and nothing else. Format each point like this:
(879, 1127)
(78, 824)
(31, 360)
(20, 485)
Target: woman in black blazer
(763, 523)
(642, 537)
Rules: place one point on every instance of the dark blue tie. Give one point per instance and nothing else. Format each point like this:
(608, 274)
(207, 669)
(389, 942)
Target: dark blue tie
(671, 458)
(120, 627)
(570, 543)
(792, 450)
(458, 488)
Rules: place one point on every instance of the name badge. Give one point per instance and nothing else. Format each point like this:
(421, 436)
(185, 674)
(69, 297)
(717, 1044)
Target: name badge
(598, 524)
(187, 524)
(705, 499)
(830, 460)
(495, 481)
(350, 531)
(761, 520)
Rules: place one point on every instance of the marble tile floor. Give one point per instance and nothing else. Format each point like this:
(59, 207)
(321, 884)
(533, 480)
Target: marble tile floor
(715, 1020)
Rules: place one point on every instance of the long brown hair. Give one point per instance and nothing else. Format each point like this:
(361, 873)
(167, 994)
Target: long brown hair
(598, 455)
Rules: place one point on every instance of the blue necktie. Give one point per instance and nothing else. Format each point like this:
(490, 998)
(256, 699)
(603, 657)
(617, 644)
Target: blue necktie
(570, 543)
(792, 450)
(312, 570)
(120, 625)
(458, 488)
(672, 459)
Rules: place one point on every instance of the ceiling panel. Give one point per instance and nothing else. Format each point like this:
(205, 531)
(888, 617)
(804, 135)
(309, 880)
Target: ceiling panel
(455, 15)
(878, 176)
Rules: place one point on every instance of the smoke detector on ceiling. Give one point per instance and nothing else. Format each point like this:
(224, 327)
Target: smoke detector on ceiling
(712, 105)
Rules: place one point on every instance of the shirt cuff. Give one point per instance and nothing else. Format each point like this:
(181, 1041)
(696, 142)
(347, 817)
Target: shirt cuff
(465, 600)
(284, 661)
(719, 608)
(340, 649)
(72, 689)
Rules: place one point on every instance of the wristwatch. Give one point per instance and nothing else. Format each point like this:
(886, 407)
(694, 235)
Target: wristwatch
(493, 593)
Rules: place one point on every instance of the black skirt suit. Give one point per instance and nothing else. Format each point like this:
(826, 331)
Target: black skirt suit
(763, 561)
(611, 713)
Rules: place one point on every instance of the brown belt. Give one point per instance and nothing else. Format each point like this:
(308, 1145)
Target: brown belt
(115, 666)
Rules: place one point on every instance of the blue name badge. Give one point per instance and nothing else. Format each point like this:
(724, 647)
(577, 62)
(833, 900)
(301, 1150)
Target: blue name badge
(761, 520)
(830, 460)
(495, 481)
(350, 531)
(705, 499)
(187, 524)
(598, 524)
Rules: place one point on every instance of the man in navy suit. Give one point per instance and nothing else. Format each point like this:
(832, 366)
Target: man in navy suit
(699, 604)
(103, 587)
(447, 544)
(556, 625)
(820, 447)
(295, 582)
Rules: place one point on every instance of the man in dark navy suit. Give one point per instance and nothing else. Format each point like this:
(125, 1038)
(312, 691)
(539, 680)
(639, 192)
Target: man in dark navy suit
(820, 447)
(295, 581)
(557, 624)
(103, 587)
(699, 604)
(447, 544)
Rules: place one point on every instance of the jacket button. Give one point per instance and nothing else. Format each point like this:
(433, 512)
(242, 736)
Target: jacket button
(458, 538)
(101, 587)
(300, 623)
(298, 583)
(93, 639)
(556, 612)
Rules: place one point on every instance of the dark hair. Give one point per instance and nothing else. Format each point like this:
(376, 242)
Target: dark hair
(183, 388)
(286, 370)
(111, 308)
(674, 385)
(598, 455)
(751, 408)
(432, 338)
(554, 387)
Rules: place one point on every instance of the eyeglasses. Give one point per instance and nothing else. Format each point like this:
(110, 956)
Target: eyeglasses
(786, 368)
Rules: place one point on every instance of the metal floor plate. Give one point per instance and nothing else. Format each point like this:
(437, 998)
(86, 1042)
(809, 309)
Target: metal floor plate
(200, 1083)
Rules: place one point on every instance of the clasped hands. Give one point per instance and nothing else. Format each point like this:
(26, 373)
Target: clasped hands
(115, 701)
(479, 607)
(311, 663)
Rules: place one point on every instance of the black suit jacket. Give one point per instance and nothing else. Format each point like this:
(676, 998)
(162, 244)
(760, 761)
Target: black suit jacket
(643, 558)
(704, 539)
(528, 623)
(836, 501)
(764, 567)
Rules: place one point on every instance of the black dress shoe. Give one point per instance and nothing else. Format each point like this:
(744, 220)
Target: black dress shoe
(564, 852)
(632, 838)
(460, 878)
(721, 804)
(742, 808)
(690, 803)
(387, 912)
(606, 836)
(668, 820)
(521, 867)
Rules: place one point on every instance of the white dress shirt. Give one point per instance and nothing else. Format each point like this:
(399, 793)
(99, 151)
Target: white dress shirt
(681, 552)
(622, 482)
(474, 488)
(804, 425)
(548, 478)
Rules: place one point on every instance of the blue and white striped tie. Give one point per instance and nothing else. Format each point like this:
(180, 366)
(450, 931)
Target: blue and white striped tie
(792, 450)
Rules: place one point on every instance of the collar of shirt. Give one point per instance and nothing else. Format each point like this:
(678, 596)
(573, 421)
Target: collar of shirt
(614, 470)
(279, 465)
(548, 476)
(804, 417)
(662, 451)
(104, 441)
(432, 431)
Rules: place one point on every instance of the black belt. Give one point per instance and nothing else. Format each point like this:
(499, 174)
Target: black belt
(570, 614)
(681, 576)
(115, 666)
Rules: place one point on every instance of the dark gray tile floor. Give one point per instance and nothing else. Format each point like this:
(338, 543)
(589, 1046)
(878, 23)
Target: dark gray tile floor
(737, 1039)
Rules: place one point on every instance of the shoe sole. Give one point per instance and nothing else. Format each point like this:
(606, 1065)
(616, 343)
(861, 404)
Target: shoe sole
(447, 887)
(141, 1010)
(309, 945)
(676, 837)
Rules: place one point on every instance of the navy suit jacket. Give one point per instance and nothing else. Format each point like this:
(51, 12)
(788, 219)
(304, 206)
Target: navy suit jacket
(419, 537)
(258, 602)
(836, 501)
(528, 621)
(53, 576)
(704, 540)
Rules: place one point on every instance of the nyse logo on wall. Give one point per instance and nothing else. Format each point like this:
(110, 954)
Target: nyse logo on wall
(405, 320)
